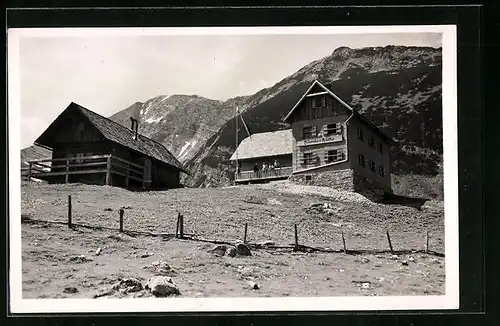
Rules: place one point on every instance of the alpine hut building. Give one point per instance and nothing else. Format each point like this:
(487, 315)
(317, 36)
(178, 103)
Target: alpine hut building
(329, 144)
(89, 148)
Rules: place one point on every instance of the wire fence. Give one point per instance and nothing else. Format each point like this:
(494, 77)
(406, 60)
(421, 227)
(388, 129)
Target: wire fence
(296, 244)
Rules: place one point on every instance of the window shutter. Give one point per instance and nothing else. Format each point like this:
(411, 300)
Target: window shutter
(313, 131)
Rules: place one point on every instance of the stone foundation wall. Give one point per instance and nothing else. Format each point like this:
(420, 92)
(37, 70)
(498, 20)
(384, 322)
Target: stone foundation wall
(340, 179)
(369, 188)
(346, 179)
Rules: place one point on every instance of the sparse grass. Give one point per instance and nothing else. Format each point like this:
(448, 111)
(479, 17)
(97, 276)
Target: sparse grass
(221, 213)
(414, 185)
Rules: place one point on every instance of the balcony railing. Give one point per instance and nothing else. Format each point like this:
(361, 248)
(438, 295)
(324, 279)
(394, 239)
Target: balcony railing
(279, 173)
(100, 164)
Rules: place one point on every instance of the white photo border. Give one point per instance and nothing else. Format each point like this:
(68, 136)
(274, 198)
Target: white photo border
(450, 300)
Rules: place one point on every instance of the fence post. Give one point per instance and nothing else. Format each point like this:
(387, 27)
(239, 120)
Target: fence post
(427, 243)
(67, 170)
(390, 244)
(178, 225)
(122, 211)
(181, 227)
(108, 171)
(343, 242)
(296, 248)
(245, 238)
(70, 225)
(30, 164)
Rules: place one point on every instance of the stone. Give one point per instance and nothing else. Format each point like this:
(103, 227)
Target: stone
(231, 252)
(70, 289)
(98, 251)
(365, 285)
(253, 285)
(243, 250)
(160, 268)
(267, 243)
(404, 263)
(219, 250)
(130, 285)
(108, 209)
(147, 254)
(411, 259)
(162, 286)
(80, 259)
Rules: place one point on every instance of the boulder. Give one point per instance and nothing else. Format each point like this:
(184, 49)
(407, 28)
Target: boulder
(231, 252)
(128, 285)
(162, 286)
(253, 285)
(243, 250)
(160, 268)
(219, 250)
(70, 289)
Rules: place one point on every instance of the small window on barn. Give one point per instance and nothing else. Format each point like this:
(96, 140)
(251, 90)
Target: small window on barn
(318, 101)
(79, 157)
(381, 171)
(372, 166)
(308, 132)
(371, 142)
(308, 177)
(361, 160)
(380, 148)
(360, 134)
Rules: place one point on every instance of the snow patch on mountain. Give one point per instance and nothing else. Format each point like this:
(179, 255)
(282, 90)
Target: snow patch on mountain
(184, 150)
(152, 120)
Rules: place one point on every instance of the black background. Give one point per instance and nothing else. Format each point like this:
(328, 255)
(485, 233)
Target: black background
(475, 125)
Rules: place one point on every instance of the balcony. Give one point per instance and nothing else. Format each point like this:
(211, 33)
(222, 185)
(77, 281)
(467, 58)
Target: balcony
(276, 174)
(62, 168)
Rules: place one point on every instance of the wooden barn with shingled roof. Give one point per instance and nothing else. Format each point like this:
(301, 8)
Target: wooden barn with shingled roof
(89, 148)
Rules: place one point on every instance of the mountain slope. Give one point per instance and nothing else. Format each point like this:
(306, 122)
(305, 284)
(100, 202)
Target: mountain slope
(183, 123)
(34, 152)
(397, 88)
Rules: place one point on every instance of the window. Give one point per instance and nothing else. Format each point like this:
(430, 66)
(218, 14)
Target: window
(372, 166)
(332, 129)
(381, 171)
(361, 160)
(309, 177)
(318, 101)
(371, 142)
(310, 158)
(380, 148)
(333, 155)
(360, 134)
(308, 132)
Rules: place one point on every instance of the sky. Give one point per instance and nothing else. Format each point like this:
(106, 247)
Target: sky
(109, 73)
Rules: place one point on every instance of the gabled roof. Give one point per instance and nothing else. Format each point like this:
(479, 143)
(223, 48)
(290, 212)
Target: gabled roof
(265, 144)
(122, 135)
(354, 112)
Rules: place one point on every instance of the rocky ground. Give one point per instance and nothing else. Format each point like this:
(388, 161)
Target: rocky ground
(59, 262)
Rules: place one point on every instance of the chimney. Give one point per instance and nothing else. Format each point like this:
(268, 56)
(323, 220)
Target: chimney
(136, 130)
(133, 126)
